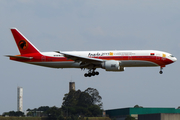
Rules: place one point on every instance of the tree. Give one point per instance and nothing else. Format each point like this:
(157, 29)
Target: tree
(70, 99)
(95, 110)
(130, 118)
(76, 103)
(5, 114)
(13, 113)
(30, 113)
(96, 98)
(84, 100)
(19, 113)
(87, 103)
(43, 108)
(137, 106)
(54, 113)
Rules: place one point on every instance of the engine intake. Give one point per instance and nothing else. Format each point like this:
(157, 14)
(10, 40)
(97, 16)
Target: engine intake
(112, 65)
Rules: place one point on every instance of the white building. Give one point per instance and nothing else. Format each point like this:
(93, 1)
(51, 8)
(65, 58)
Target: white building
(20, 99)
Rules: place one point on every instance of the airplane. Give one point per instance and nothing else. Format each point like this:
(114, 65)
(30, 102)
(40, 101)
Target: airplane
(112, 60)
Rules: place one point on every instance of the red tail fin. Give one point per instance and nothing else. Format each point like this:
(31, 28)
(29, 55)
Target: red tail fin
(23, 44)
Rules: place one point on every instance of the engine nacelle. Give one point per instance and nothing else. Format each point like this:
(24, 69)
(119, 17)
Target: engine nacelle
(112, 65)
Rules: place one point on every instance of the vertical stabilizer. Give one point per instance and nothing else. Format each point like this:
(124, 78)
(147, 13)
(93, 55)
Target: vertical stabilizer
(23, 44)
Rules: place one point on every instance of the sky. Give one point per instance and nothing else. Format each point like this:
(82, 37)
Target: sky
(68, 25)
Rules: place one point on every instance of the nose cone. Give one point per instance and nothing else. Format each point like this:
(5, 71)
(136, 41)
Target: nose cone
(174, 59)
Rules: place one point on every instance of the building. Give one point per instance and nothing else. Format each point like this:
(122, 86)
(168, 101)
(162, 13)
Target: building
(20, 99)
(121, 114)
(71, 86)
(160, 116)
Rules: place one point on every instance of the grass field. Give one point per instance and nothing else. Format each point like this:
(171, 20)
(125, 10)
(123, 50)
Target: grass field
(39, 118)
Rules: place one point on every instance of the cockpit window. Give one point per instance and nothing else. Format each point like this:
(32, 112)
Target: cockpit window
(171, 56)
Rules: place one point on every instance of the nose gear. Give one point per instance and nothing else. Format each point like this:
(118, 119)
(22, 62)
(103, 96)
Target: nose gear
(161, 72)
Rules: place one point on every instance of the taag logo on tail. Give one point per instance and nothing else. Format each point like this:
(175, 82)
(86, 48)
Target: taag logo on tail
(23, 44)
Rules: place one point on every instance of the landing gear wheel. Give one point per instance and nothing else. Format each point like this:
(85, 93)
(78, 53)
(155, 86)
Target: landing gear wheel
(85, 75)
(161, 72)
(89, 74)
(93, 73)
(97, 73)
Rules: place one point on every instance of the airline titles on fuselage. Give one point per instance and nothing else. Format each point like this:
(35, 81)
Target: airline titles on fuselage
(110, 54)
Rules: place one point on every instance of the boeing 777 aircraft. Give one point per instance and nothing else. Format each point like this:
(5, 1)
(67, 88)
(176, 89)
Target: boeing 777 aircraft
(115, 61)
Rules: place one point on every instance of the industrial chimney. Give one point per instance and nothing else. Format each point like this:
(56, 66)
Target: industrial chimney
(20, 99)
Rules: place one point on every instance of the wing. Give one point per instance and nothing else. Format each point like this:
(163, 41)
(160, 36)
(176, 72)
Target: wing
(81, 59)
(85, 62)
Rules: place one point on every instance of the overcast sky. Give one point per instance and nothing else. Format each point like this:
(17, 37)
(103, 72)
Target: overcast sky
(74, 25)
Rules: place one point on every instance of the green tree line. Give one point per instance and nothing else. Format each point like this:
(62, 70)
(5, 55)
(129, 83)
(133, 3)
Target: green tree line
(76, 104)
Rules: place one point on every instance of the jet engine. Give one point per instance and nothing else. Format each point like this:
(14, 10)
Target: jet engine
(112, 65)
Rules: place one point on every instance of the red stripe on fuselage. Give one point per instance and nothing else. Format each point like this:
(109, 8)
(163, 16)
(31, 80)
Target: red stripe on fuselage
(161, 61)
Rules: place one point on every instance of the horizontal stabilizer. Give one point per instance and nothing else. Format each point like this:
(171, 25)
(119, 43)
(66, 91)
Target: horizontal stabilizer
(19, 57)
(57, 51)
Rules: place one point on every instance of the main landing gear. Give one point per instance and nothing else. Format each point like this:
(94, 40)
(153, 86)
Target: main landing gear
(91, 73)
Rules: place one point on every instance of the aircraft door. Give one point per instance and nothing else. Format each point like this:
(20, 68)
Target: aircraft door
(158, 56)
